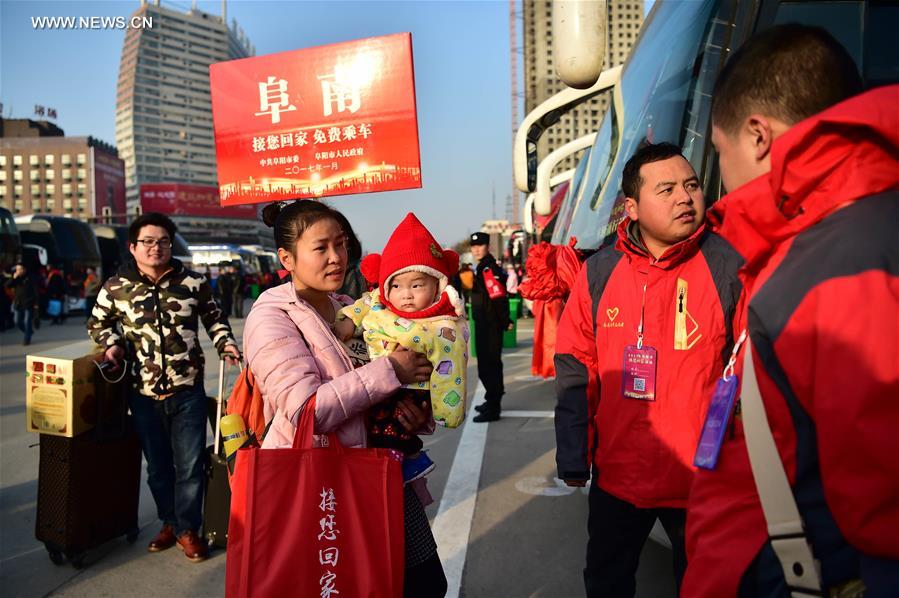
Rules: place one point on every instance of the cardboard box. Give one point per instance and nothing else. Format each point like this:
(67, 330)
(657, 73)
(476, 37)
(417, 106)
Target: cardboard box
(60, 396)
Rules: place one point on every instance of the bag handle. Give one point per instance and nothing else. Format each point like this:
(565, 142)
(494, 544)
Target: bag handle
(302, 439)
(785, 527)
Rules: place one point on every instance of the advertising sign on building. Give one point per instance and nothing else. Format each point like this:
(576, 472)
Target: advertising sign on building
(324, 121)
(109, 185)
(177, 199)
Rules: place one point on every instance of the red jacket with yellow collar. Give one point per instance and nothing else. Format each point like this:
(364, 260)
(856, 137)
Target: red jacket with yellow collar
(820, 236)
(643, 450)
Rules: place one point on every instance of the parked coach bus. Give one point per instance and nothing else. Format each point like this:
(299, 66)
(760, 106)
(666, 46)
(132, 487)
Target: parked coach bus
(10, 244)
(663, 92)
(69, 242)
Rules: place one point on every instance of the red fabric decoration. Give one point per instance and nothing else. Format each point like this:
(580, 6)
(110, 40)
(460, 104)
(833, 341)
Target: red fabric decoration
(546, 322)
(551, 272)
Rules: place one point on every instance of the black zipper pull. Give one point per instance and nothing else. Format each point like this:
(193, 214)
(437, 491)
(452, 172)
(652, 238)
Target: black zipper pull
(680, 306)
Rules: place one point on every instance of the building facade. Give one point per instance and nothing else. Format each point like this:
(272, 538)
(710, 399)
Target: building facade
(79, 177)
(163, 109)
(541, 81)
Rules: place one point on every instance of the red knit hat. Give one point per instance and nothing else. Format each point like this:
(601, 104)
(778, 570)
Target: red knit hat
(411, 248)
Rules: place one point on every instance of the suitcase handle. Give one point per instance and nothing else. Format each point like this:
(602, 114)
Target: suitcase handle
(220, 401)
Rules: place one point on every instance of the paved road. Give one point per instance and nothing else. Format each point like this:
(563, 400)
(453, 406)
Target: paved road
(505, 526)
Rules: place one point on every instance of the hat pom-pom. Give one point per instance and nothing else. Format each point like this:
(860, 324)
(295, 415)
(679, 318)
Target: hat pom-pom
(452, 261)
(371, 267)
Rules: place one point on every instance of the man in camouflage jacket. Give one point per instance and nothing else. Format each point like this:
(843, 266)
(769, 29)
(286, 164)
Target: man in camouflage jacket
(148, 314)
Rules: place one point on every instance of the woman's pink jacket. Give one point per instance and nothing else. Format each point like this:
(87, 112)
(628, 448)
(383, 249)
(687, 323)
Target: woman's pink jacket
(290, 367)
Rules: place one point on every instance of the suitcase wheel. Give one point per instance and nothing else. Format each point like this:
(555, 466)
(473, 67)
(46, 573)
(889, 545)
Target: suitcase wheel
(132, 535)
(77, 560)
(56, 556)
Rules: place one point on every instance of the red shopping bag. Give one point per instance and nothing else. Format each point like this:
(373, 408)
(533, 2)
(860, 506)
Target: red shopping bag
(315, 521)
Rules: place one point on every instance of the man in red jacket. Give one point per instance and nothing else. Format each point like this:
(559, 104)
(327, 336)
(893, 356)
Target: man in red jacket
(813, 209)
(641, 341)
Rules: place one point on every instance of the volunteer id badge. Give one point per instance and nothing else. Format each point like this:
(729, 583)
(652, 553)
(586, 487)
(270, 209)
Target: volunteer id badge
(639, 379)
(716, 423)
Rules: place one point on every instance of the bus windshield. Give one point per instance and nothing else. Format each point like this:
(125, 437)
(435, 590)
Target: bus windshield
(601, 158)
(10, 246)
(563, 219)
(657, 85)
(75, 240)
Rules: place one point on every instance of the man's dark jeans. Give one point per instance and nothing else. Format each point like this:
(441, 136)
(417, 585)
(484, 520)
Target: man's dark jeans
(25, 320)
(173, 437)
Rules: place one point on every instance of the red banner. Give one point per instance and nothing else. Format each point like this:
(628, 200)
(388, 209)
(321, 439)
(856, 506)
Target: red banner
(189, 200)
(330, 120)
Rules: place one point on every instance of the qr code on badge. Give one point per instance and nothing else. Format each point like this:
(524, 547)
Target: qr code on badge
(639, 384)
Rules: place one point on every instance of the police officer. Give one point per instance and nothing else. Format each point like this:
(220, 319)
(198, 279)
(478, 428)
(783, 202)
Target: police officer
(490, 311)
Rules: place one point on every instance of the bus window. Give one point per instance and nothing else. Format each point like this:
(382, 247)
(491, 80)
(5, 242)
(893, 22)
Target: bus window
(881, 54)
(663, 87)
(842, 19)
(866, 29)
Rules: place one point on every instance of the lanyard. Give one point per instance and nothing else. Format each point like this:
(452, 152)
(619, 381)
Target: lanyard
(642, 313)
(729, 368)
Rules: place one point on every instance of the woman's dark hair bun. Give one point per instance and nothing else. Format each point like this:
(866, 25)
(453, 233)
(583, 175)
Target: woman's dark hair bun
(271, 211)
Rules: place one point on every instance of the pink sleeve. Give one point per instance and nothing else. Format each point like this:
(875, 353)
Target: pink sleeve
(353, 393)
(288, 374)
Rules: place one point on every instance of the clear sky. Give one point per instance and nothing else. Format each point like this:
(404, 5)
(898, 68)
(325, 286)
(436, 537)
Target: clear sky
(461, 54)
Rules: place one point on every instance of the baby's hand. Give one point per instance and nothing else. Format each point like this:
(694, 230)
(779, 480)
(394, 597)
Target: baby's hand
(344, 329)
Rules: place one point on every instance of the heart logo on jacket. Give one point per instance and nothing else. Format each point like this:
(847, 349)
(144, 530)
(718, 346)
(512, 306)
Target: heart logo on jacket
(612, 312)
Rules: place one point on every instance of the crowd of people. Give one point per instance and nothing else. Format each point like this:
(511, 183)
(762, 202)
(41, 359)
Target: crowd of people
(28, 296)
(655, 406)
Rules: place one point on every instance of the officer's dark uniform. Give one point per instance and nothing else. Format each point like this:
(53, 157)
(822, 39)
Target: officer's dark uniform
(491, 318)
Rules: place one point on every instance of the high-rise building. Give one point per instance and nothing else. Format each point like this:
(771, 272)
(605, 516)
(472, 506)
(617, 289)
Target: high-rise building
(43, 172)
(541, 81)
(163, 108)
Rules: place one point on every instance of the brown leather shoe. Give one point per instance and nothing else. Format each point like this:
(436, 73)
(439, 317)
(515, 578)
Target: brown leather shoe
(163, 540)
(193, 547)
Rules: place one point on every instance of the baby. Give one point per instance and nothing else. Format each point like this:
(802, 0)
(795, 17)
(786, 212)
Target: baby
(413, 307)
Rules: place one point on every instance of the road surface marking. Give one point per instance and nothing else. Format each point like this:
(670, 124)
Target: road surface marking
(452, 526)
(540, 486)
(527, 414)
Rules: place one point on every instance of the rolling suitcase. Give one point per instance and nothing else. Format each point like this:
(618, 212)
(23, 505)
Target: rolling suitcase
(89, 485)
(217, 498)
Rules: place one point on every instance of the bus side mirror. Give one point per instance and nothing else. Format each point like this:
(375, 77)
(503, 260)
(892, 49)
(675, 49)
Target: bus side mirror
(579, 30)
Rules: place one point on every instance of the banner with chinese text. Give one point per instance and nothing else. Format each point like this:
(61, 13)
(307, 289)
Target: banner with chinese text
(323, 121)
(179, 199)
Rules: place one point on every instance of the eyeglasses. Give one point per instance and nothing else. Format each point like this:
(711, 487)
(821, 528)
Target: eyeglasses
(150, 243)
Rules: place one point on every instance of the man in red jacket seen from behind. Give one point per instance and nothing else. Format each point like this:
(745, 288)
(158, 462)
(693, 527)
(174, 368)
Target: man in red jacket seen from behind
(813, 174)
(643, 337)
